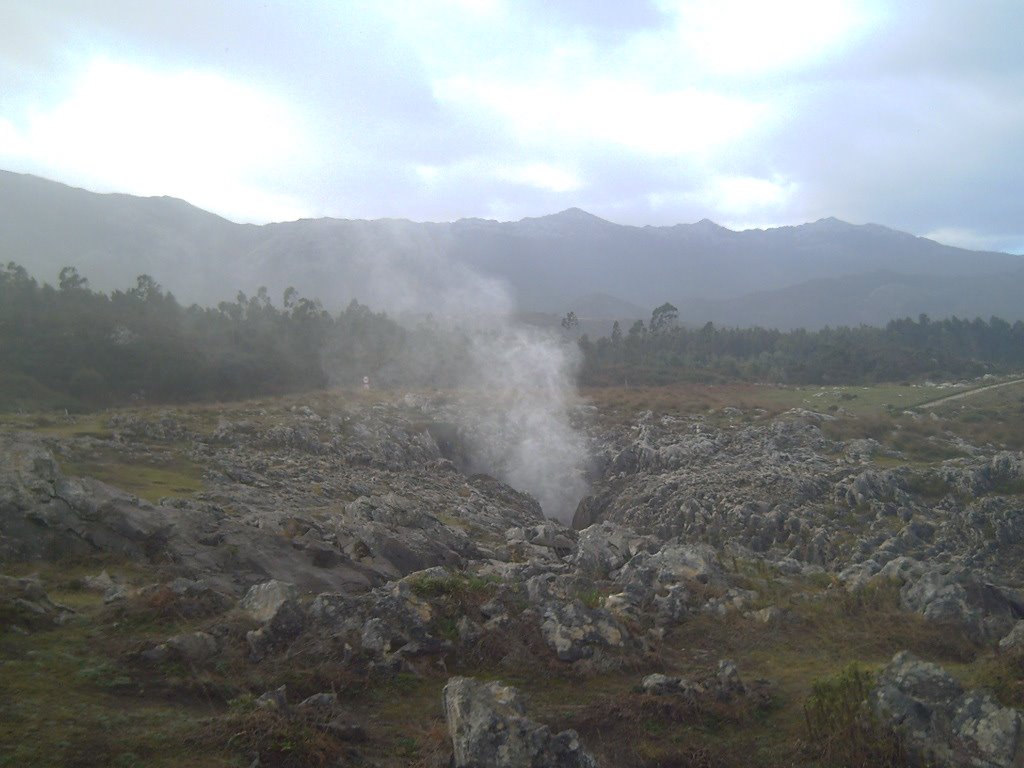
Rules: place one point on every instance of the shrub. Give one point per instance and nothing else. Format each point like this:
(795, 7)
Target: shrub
(840, 727)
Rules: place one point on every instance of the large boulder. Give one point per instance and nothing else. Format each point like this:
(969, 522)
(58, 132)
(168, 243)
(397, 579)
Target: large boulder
(262, 600)
(939, 723)
(490, 729)
(984, 610)
(606, 547)
(575, 632)
(670, 565)
(44, 514)
(25, 605)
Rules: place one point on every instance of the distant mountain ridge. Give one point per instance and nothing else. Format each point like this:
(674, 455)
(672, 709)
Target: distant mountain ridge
(825, 272)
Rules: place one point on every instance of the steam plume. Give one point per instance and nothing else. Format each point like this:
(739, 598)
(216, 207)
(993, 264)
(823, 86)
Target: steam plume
(523, 434)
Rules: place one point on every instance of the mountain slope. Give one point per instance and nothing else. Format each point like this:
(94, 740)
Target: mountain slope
(548, 262)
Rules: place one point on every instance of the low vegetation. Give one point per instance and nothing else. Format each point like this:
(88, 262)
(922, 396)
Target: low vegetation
(77, 694)
(663, 352)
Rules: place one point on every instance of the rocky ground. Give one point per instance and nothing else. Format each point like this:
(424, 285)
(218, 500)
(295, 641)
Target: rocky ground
(320, 581)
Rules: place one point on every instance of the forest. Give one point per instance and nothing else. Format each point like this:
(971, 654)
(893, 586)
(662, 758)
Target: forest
(661, 351)
(67, 346)
(73, 347)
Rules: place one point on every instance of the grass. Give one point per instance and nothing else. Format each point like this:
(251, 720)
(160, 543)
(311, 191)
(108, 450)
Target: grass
(58, 425)
(74, 697)
(840, 728)
(62, 706)
(460, 587)
(150, 479)
(771, 399)
(824, 630)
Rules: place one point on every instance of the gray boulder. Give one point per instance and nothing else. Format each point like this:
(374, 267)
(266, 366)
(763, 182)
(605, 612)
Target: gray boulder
(490, 729)
(25, 605)
(262, 600)
(606, 547)
(986, 611)
(941, 725)
(285, 625)
(575, 632)
(1014, 640)
(191, 648)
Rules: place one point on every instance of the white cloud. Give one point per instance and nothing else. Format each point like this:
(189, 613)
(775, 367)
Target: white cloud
(739, 37)
(743, 195)
(12, 143)
(190, 134)
(737, 202)
(903, 114)
(429, 174)
(625, 114)
(541, 176)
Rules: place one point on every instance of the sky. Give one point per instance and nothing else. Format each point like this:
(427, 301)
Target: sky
(751, 114)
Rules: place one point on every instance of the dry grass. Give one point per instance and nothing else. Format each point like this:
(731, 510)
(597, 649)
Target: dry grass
(276, 739)
(150, 479)
(623, 403)
(641, 729)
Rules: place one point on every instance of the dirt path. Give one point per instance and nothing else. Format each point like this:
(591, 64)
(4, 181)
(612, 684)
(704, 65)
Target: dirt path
(961, 395)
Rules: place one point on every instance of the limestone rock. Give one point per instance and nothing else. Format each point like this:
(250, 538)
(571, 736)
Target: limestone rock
(940, 724)
(25, 604)
(191, 648)
(490, 729)
(575, 632)
(263, 600)
(1014, 640)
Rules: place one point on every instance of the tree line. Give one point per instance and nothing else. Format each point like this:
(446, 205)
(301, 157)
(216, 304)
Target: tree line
(73, 347)
(661, 351)
(69, 346)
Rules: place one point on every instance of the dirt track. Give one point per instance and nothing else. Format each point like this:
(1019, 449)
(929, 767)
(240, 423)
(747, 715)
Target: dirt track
(961, 395)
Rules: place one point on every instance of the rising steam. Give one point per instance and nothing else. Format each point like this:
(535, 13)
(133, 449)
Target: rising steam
(521, 433)
(525, 437)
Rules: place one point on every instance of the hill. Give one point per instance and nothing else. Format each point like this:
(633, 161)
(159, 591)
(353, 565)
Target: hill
(548, 262)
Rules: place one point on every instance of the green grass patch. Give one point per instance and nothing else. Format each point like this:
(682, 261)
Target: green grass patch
(150, 479)
(54, 425)
(460, 587)
(64, 704)
(840, 727)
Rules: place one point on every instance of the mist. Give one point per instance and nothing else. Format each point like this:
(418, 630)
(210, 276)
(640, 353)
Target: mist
(517, 381)
(524, 436)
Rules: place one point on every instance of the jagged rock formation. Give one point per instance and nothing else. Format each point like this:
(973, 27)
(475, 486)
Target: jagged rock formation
(940, 723)
(354, 501)
(782, 491)
(372, 508)
(357, 538)
(490, 729)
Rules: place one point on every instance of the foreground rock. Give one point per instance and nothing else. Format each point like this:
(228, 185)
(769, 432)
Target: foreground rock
(490, 729)
(25, 606)
(724, 685)
(248, 528)
(942, 725)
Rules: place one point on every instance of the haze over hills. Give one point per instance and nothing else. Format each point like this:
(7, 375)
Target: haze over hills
(826, 272)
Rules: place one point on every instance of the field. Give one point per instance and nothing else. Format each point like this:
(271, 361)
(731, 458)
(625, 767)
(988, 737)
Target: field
(71, 699)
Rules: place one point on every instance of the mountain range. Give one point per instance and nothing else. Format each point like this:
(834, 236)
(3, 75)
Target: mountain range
(828, 272)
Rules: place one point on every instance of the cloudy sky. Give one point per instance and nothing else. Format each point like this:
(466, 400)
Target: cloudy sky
(751, 114)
